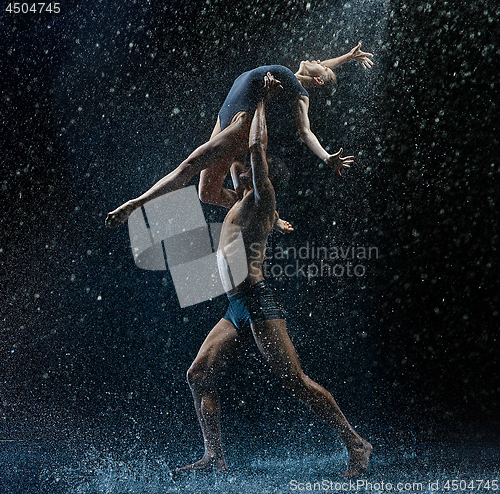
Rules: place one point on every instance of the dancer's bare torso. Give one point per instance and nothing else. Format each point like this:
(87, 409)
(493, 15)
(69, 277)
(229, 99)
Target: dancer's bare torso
(252, 223)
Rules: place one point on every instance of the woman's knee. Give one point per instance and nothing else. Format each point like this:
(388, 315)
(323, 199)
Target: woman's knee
(206, 194)
(212, 181)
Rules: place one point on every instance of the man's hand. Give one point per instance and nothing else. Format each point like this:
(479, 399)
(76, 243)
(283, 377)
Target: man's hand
(360, 56)
(271, 86)
(336, 161)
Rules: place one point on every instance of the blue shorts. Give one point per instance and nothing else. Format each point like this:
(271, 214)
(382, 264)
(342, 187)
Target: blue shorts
(256, 303)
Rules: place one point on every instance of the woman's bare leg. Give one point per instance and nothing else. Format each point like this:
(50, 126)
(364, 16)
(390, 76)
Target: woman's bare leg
(219, 347)
(275, 345)
(212, 178)
(220, 150)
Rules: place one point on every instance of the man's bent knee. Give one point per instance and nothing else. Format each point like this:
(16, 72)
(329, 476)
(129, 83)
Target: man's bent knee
(298, 383)
(193, 376)
(196, 375)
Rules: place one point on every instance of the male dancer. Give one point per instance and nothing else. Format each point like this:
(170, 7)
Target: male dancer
(229, 140)
(253, 313)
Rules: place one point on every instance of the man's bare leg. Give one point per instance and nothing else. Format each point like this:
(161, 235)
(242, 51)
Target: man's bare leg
(219, 347)
(275, 345)
(220, 150)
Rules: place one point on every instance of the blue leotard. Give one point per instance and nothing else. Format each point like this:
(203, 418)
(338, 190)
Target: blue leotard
(247, 90)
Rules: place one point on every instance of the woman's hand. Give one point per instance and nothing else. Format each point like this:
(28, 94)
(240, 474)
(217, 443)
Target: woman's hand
(360, 56)
(338, 163)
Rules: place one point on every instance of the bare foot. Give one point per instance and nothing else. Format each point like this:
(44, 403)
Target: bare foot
(119, 215)
(280, 225)
(207, 463)
(358, 459)
(283, 226)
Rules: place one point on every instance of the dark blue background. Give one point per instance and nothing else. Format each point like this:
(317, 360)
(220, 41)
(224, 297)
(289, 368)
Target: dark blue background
(101, 102)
